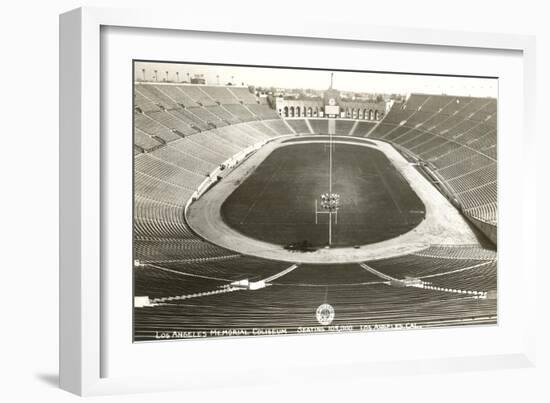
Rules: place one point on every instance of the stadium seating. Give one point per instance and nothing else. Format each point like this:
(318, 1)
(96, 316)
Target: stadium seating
(293, 306)
(180, 138)
(278, 126)
(222, 95)
(438, 260)
(184, 133)
(363, 128)
(262, 111)
(145, 141)
(153, 128)
(319, 126)
(457, 136)
(244, 95)
(343, 127)
(196, 93)
(240, 111)
(299, 125)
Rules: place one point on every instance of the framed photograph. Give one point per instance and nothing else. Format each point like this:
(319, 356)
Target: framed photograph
(339, 199)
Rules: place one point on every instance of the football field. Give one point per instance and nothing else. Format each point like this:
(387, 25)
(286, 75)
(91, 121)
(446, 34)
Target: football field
(276, 203)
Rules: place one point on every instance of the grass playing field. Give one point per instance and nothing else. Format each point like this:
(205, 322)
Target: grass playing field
(276, 203)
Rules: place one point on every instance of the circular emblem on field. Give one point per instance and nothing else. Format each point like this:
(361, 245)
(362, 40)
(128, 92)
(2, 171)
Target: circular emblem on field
(325, 314)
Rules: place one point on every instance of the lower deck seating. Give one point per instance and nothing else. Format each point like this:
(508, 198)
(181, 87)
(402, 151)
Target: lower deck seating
(173, 261)
(278, 126)
(457, 137)
(343, 127)
(319, 126)
(363, 128)
(299, 125)
(262, 111)
(290, 307)
(439, 262)
(168, 172)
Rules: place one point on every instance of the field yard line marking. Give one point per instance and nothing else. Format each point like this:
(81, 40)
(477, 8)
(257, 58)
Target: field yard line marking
(280, 274)
(267, 183)
(458, 270)
(376, 272)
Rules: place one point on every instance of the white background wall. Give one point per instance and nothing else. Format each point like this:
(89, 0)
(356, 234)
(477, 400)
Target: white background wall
(28, 202)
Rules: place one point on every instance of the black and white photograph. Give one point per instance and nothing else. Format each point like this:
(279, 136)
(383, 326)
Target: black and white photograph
(275, 201)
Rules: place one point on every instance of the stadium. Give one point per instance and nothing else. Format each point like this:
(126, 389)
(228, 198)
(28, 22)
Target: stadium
(264, 213)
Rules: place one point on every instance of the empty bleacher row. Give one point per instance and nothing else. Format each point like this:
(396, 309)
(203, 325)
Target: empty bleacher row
(181, 136)
(343, 127)
(472, 267)
(290, 307)
(228, 268)
(363, 128)
(476, 265)
(299, 126)
(191, 108)
(457, 137)
(327, 275)
(460, 252)
(165, 178)
(482, 278)
(156, 282)
(160, 128)
(319, 126)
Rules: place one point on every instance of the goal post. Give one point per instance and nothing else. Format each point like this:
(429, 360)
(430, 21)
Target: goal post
(328, 203)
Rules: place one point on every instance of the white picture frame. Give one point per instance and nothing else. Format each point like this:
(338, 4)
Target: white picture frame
(82, 177)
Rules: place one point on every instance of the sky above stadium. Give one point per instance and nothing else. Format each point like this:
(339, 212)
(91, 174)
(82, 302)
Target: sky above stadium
(320, 79)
